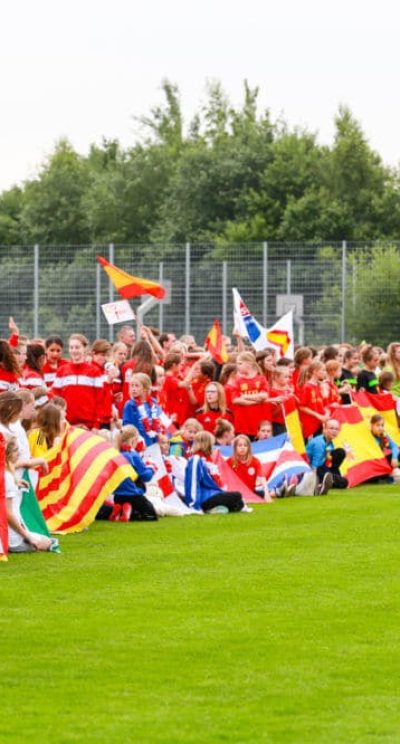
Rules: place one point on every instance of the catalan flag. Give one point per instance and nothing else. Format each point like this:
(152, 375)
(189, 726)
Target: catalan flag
(128, 285)
(84, 469)
(215, 344)
(383, 403)
(3, 512)
(366, 459)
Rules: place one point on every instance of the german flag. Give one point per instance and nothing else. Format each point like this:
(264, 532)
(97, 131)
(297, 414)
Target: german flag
(293, 426)
(3, 512)
(215, 344)
(383, 403)
(366, 459)
(83, 470)
(130, 286)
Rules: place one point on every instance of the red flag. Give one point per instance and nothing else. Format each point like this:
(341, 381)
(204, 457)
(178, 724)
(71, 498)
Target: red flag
(128, 285)
(215, 344)
(232, 481)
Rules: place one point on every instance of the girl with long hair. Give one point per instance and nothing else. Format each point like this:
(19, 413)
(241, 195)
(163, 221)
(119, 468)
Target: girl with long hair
(214, 407)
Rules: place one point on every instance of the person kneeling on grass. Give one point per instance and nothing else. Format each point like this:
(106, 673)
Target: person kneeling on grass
(130, 503)
(388, 447)
(20, 539)
(203, 486)
(325, 459)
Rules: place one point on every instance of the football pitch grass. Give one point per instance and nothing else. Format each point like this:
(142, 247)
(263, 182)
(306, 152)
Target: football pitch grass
(277, 626)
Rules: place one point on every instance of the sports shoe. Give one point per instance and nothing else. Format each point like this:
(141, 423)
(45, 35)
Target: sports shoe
(221, 509)
(327, 483)
(116, 513)
(247, 508)
(126, 512)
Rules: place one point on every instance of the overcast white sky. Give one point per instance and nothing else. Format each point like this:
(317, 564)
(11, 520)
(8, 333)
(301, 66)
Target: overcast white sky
(84, 69)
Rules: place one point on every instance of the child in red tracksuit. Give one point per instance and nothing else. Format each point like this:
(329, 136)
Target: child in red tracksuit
(80, 383)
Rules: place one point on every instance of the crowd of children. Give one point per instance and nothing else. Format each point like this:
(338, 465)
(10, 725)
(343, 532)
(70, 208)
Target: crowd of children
(161, 390)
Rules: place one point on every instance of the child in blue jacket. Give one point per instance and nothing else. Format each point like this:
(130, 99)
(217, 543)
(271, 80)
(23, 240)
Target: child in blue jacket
(203, 487)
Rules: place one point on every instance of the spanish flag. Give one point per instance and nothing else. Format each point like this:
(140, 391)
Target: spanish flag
(365, 459)
(128, 285)
(3, 512)
(382, 403)
(84, 469)
(215, 344)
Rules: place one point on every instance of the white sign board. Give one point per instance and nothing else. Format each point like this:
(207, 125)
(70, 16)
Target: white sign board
(118, 312)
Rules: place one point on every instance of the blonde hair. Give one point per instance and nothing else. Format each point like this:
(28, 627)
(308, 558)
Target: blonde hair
(236, 441)
(79, 337)
(203, 442)
(307, 372)
(192, 422)
(247, 356)
(127, 433)
(143, 379)
(11, 445)
(394, 363)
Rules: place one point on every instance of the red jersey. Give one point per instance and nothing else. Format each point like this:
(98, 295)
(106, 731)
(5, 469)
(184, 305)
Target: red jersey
(175, 400)
(81, 386)
(248, 472)
(199, 385)
(333, 396)
(9, 381)
(49, 371)
(248, 418)
(107, 399)
(311, 397)
(208, 419)
(277, 408)
(31, 379)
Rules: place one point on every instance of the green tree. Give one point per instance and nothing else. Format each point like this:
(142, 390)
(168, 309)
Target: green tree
(53, 212)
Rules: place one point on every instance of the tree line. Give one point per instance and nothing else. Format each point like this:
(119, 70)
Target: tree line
(234, 175)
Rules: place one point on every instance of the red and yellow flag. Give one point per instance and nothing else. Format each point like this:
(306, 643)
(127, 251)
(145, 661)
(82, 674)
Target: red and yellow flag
(366, 459)
(83, 470)
(215, 344)
(128, 285)
(383, 403)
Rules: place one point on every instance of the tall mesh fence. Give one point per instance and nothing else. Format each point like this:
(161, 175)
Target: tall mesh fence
(60, 290)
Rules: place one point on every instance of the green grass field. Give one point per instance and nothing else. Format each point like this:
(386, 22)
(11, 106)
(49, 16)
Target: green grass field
(277, 626)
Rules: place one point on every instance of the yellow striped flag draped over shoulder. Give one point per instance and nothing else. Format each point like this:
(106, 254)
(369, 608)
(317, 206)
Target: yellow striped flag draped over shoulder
(83, 470)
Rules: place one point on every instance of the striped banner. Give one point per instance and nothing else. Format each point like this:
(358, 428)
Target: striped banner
(84, 469)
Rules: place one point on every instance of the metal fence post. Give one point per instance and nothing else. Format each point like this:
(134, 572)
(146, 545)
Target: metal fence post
(111, 290)
(98, 299)
(161, 306)
(289, 276)
(265, 283)
(36, 290)
(187, 288)
(343, 324)
(224, 295)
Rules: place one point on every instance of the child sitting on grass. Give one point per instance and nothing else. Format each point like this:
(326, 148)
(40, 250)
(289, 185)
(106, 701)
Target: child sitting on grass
(130, 503)
(388, 447)
(20, 539)
(203, 487)
(247, 467)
